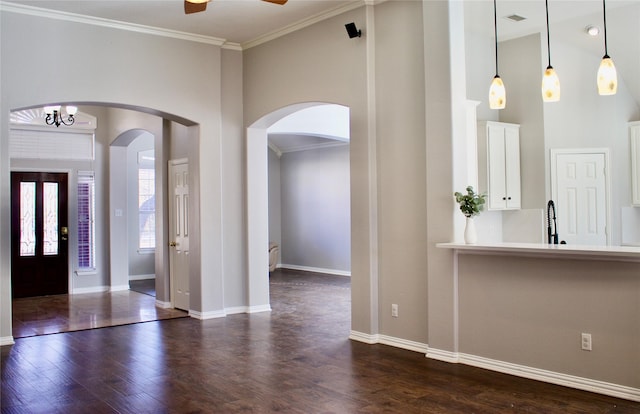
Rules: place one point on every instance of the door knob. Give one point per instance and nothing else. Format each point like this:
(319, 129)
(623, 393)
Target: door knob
(64, 233)
(173, 244)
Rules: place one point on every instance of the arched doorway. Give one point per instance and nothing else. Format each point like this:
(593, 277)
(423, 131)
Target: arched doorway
(257, 187)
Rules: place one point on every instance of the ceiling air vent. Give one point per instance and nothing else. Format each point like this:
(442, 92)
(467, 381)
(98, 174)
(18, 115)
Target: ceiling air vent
(516, 18)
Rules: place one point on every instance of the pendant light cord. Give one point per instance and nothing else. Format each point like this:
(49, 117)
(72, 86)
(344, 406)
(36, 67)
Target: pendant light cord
(546, 2)
(604, 15)
(495, 31)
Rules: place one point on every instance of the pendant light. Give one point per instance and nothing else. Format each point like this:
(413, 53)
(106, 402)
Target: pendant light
(607, 76)
(550, 80)
(497, 93)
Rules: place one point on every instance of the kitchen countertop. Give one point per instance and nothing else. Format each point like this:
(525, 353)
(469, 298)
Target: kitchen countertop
(556, 251)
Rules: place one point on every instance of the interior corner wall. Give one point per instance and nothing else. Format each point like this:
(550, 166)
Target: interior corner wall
(402, 167)
(440, 319)
(232, 170)
(521, 72)
(315, 208)
(275, 209)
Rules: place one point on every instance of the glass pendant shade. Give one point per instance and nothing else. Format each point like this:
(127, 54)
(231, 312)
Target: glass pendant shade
(497, 94)
(607, 77)
(550, 85)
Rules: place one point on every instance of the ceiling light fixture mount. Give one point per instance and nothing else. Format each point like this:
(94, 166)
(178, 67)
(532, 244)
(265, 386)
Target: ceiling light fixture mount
(607, 75)
(53, 115)
(550, 80)
(497, 93)
(592, 30)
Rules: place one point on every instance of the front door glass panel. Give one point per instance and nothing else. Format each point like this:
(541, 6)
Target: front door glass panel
(27, 219)
(50, 222)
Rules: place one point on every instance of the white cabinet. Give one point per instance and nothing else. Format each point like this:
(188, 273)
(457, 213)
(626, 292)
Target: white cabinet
(634, 137)
(499, 164)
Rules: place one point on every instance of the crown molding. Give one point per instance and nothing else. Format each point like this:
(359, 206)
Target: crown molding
(114, 24)
(302, 24)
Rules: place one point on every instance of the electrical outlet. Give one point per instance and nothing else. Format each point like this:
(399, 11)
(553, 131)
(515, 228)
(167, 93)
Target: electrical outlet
(394, 310)
(586, 342)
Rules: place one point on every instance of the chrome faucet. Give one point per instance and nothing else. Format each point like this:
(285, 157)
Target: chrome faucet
(552, 238)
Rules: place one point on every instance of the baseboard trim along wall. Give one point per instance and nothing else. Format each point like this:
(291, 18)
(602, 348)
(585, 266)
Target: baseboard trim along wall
(142, 277)
(207, 315)
(93, 289)
(558, 378)
(119, 288)
(6, 340)
(163, 305)
(389, 340)
(315, 269)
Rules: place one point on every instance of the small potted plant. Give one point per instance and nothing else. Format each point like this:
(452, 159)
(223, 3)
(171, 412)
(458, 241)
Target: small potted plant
(471, 204)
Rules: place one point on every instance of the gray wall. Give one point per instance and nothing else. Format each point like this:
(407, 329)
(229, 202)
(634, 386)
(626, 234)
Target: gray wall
(141, 85)
(141, 264)
(275, 197)
(315, 209)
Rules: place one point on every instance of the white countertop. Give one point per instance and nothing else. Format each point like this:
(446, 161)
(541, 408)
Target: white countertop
(557, 251)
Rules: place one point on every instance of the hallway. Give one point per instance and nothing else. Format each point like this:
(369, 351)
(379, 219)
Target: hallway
(295, 359)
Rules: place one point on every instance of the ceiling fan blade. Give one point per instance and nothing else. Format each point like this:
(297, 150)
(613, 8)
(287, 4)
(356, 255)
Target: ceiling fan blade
(190, 7)
(280, 2)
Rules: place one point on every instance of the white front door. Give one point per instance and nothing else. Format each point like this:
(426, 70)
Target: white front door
(580, 196)
(179, 233)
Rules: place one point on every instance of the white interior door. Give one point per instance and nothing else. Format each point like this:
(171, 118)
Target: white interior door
(580, 194)
(179, 233)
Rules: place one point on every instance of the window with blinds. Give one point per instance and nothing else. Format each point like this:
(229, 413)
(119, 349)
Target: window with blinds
(86, 222)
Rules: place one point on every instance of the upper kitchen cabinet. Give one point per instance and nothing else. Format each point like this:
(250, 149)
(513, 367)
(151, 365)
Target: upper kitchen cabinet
(499, 164)
(634, 137)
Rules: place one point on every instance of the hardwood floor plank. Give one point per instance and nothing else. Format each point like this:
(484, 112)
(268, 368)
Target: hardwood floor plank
(295, 359)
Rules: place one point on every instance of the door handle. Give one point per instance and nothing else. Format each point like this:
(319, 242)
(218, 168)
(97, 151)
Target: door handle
(173, 244)
(64, 233)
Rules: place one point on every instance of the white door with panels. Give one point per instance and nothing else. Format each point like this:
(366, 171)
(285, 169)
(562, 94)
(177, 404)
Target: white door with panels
(580, 192)
(179, 233)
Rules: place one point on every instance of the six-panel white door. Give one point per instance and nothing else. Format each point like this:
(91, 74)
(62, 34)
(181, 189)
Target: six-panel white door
(580, 195)
(179, 233)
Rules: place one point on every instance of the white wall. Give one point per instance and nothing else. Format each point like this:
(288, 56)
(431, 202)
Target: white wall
(315, 209)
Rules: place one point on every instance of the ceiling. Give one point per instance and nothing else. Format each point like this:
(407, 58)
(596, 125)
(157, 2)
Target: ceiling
(235, 21)
(248, 22)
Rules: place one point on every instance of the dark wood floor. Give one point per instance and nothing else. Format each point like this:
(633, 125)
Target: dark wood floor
(296, 359)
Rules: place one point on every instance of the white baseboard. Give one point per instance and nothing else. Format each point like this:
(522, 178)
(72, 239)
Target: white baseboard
(119, 288)
(558, 378)
(442, 355)
(207, 315)
(92, 289)
(142, 277)
(6, 340)
(315, 269)
(259, 308)
(389, 340)
(163, 305)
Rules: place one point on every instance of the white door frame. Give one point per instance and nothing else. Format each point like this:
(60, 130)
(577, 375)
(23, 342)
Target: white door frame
(554, 152)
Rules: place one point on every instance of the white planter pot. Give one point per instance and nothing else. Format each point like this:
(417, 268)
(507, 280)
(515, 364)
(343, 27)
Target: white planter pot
(470, 236)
